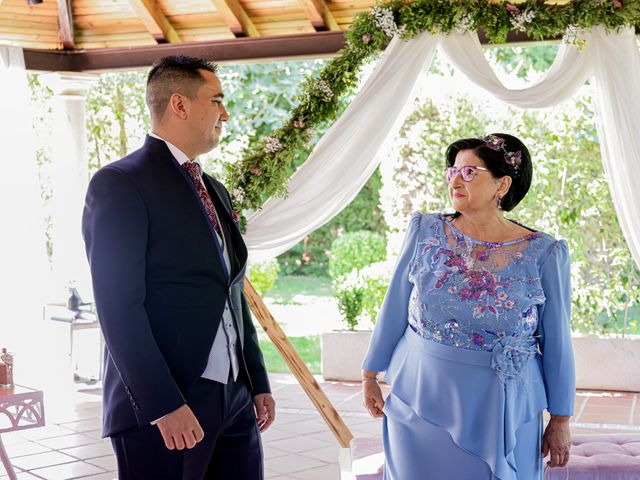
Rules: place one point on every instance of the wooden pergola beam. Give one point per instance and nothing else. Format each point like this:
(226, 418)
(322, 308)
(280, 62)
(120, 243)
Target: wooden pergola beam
(285, 47)
(65, 24)
(155, 21)
(320, 16)
(236, 18)
(307, 45)
(297, 366)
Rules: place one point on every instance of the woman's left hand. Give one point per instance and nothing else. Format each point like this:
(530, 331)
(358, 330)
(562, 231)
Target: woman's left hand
(557, 441)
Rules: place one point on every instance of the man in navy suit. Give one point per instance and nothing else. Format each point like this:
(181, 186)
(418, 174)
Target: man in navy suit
(186, 392)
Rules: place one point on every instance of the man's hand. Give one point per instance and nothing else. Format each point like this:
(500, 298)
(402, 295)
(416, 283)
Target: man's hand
(265, 410)
(557, 441)
(180, 429)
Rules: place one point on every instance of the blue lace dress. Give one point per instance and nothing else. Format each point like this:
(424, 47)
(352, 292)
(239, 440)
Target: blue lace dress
(475, 341)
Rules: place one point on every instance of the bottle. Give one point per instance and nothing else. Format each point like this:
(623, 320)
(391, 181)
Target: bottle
(6, 369)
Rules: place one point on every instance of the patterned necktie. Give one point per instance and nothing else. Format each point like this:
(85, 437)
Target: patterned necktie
(194, 171)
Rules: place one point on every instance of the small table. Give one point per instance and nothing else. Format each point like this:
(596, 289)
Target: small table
(84, 317)
(20, 408)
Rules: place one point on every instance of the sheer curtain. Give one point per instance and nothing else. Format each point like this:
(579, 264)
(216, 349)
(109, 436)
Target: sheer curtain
(346, 156)
(350, 150)
(23, 266)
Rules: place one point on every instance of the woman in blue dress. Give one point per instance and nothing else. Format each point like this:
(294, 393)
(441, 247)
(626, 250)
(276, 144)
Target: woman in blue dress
(474, 332)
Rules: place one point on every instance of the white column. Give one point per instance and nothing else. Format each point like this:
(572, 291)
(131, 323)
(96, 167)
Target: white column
(70, 177)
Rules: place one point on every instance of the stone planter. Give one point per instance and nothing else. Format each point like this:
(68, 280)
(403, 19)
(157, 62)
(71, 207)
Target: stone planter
(607, 363)
(601, 363)
(342, 352)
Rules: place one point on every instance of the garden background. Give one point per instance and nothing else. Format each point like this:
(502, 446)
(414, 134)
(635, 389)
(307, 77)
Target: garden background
(337, 276)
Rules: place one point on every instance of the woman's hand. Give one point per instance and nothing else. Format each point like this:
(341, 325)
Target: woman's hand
(372, 397)
(557, 441)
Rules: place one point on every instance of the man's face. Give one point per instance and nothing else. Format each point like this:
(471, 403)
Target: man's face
(207, 113)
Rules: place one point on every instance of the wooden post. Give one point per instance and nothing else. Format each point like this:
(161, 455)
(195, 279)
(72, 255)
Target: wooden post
(297, 366)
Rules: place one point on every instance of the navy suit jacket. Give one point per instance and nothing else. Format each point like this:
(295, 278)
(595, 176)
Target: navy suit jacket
(160, 284)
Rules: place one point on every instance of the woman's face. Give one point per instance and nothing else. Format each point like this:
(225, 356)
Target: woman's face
(478, 194)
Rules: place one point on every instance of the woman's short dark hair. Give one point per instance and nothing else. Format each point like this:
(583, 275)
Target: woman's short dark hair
(496, 162)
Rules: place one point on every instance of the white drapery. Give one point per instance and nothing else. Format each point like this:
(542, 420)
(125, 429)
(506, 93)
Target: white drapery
(23, 267)
(349, 152)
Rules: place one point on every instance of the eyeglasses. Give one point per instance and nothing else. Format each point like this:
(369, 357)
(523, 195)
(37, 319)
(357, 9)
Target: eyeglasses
(468, 172)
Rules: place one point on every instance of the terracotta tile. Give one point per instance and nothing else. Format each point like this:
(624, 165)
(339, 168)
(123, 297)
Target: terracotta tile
(66, 441)
(90, 451)
(67, 471)
(25, 476)
(322, 473)
(270, 473)
(109, 463)
(84, 425)
(271, 452)
(294, 463)
(274, 433)
(13, 438)
(325, 454)
(299, 444)
(45, 432)
(325, 436)
(604, 417)
(306, 426)
(26, 448)
(30, 462)
(102, 476)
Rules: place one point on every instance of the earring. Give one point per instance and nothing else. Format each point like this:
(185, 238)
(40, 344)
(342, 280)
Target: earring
(499, 201)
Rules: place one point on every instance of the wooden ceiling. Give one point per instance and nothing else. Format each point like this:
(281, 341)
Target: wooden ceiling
(83, 35)
(95, 24)
(80, 35)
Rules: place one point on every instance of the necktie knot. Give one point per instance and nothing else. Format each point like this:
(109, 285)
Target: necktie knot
(193, 169)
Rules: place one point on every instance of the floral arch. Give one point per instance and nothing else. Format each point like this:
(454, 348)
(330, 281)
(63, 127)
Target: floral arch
(598, 41)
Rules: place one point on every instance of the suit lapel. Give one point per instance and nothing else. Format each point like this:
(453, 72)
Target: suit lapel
(159, 147)
(237, 248)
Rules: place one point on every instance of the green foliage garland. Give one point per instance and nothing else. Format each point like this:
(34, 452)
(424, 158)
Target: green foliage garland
(264, 170)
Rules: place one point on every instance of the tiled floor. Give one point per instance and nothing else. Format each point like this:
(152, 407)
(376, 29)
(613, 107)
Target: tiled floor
(297, 447)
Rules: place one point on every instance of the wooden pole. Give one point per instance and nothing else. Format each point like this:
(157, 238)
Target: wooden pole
(297, 366)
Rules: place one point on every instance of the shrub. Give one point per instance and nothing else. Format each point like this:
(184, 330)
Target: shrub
(361, 292)
(349, 291)
(263, 275)
(375, 279)
(355, 250)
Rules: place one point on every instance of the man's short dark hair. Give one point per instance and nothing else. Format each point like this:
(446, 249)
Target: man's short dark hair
(174, 74)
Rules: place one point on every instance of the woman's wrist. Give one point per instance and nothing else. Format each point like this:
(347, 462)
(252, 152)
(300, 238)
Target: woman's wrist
(369, 376)
(559, 418)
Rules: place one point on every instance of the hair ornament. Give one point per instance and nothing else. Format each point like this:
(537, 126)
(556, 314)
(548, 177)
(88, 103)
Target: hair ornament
(497, 144)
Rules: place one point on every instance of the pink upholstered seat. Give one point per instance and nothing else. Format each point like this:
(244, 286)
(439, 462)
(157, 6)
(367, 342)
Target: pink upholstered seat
(601, 457)
(593, 457)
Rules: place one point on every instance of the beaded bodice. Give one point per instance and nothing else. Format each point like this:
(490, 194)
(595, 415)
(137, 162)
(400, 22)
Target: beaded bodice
(471, 294)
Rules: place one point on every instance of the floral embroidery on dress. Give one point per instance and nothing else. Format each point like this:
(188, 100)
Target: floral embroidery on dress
(477, 295)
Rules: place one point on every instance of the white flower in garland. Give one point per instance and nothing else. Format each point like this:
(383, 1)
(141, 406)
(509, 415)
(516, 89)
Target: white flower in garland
(323, 88)
(272, 145)
(385, 21)
(238, 195)
(575, 36)
(521, 20)
(465, 24)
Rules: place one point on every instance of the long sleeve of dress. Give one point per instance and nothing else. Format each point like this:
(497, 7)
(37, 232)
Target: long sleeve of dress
(555, 330)
(392, 320)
